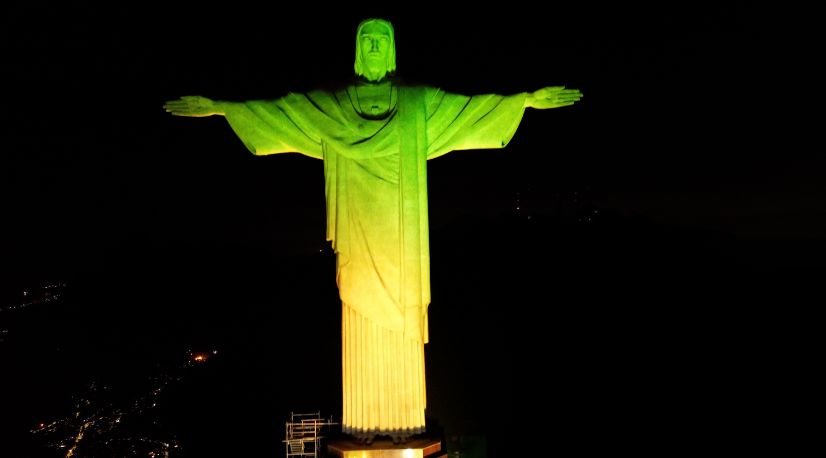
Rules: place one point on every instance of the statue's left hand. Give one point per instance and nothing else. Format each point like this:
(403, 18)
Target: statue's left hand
(552, 97)
(193, 106)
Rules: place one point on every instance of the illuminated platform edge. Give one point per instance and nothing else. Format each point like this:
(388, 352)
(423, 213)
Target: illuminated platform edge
(418, 448)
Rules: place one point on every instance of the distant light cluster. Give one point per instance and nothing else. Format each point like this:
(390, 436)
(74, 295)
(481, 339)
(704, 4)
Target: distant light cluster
(40, 295)
(570, 206)
(101, 425)
(200, 357)
(50, 292)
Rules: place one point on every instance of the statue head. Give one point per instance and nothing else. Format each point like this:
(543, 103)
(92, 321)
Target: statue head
(375, 49)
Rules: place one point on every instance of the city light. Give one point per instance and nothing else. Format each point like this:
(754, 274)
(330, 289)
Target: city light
(98, 422)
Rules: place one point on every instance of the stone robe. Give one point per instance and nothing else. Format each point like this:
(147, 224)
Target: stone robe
(375, 171)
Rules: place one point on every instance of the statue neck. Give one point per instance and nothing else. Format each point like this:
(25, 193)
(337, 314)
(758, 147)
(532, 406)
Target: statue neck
(375, 76)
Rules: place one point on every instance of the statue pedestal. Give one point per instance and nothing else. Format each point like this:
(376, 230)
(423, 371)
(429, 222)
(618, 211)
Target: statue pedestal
(416, 448)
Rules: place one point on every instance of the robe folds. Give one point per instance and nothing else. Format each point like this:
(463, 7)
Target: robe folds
(375, 171)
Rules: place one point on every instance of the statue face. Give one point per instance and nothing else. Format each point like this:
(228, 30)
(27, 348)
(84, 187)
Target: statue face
(375, 46)
(375, 49)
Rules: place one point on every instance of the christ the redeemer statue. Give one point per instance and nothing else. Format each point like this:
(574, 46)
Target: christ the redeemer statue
(375, 137)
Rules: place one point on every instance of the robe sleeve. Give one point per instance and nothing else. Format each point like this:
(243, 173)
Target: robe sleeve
(276, 126)
(459, 122)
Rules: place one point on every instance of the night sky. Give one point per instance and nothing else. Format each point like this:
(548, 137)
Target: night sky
(634, 245)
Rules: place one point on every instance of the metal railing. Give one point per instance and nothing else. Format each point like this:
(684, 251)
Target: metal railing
(303, 434)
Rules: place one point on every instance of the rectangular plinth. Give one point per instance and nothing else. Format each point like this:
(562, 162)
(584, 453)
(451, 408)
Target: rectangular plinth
(419, 448)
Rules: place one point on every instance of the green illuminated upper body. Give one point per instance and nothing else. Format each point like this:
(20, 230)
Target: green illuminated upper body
(375, 137)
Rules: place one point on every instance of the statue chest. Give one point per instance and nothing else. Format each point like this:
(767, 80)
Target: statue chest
(374, 100)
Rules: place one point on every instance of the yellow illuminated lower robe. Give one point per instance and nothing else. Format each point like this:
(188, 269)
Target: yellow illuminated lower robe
(384, 383)
(376, 191)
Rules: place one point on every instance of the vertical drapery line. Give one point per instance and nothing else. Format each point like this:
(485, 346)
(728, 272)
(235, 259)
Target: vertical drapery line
(395, 419)
(345, 364)
(406, 401)
(417, 374)
(367, 370)
(359, 370)
(372, 387)
(384, 386)
(423, 379)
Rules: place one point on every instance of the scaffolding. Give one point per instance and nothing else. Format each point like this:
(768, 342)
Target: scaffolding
(303, 434)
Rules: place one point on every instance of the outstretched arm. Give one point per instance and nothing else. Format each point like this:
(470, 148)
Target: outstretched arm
(195, 106)
(264, 126)
(552, 97)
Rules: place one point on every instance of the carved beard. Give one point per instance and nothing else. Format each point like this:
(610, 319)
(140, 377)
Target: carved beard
(375, 62)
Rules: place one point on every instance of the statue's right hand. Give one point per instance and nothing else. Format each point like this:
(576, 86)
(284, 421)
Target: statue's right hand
(192, 105)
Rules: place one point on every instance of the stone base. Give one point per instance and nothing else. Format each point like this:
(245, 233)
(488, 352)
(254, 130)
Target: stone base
(415, 448)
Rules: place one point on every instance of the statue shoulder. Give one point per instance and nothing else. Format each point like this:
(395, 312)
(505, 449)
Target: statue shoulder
(413, 84)
(317, 97)
(426, 91)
